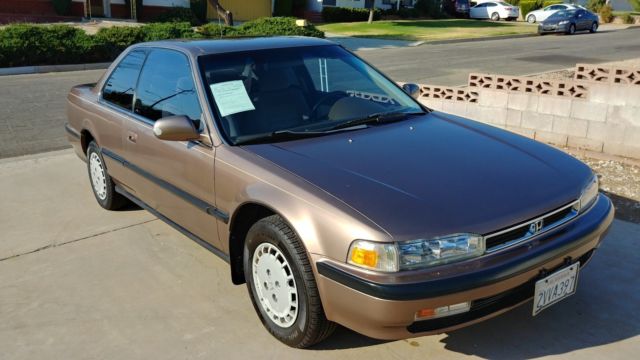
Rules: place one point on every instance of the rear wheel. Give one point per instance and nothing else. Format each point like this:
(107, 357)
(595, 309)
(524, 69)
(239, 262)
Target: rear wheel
(572, 29)
(594, 27)
(495, 16)
(531, 19)
(282, 286)
(101, 183)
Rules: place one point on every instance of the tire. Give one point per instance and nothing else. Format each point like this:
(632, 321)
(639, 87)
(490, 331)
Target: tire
(572, 29)
(594, 27)
(531, 19)
(101, 183)
(271, 241)
(495, 16)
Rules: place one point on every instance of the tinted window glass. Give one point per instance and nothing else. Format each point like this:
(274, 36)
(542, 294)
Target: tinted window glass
(122, 82)
(166, 87)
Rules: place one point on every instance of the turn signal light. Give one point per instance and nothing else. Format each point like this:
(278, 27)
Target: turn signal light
(364, 257)
(441, 311)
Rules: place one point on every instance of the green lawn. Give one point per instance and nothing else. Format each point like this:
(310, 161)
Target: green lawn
(429, 30)
(620, 13)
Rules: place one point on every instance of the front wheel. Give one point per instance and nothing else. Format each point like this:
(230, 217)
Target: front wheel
(531, 19)
(282, 286)
(495, 16)
(594, 27)
(572, 29)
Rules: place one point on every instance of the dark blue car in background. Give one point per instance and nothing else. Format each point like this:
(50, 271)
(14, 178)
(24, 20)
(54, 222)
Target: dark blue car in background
(569, 21)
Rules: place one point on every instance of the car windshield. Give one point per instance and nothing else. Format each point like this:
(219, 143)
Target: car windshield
(301, 91)
(562, 14)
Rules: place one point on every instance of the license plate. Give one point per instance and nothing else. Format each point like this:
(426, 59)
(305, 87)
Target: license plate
(555, 287)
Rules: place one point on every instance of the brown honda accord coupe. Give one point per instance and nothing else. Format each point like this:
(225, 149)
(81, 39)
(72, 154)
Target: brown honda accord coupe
(331, 192)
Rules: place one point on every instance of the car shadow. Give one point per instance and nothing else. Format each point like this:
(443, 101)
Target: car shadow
(603, 311)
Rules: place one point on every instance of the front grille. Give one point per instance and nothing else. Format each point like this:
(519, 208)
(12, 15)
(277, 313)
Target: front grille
(522, 232)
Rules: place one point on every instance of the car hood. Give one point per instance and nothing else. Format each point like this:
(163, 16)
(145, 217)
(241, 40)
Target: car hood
(435, 174)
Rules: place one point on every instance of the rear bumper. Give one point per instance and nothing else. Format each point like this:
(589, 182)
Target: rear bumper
(493, 284)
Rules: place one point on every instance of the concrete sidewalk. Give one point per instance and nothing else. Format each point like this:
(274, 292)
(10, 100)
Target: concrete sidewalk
(78, 282)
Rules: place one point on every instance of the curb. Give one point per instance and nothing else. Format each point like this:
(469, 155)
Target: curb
(39, 69)
(488, 38)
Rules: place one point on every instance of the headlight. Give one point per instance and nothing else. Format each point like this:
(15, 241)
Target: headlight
(588, 195)
(414, 254)
(563, 22)
(422, 253)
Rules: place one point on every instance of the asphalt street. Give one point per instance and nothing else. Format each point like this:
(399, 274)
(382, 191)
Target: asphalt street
(32, 107)
(79, 282)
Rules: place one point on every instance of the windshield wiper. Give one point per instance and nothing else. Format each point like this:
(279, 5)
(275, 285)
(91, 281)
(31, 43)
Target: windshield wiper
(376, 118)
(283, 135)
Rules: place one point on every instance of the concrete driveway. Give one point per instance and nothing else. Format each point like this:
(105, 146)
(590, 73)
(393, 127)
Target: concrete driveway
(78, 282)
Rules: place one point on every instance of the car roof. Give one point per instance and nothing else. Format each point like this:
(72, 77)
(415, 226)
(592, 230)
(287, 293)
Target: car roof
(226, 45)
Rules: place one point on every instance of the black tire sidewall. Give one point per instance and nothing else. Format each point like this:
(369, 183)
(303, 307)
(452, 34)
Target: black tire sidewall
(594, 27)
(572, 29)
(265, 232)
(497, 18)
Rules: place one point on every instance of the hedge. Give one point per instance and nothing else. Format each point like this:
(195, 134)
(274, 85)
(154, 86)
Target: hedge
(527, 6)
(339, 14)
(28, 44)
(551, 2)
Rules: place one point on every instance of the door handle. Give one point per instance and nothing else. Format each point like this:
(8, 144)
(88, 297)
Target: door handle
(133, 137)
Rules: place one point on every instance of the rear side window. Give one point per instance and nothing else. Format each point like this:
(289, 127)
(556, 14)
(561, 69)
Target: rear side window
(120, 87)
(166, 87)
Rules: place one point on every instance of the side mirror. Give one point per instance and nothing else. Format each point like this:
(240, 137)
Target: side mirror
(175, 128)
(412, 89)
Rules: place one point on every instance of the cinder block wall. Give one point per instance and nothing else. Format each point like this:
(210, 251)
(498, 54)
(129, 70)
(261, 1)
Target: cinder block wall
(599, 110)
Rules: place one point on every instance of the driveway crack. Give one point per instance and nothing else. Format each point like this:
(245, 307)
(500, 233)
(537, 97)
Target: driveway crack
(74, 240)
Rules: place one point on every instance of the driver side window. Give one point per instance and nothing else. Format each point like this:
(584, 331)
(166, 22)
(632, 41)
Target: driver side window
(166, 88)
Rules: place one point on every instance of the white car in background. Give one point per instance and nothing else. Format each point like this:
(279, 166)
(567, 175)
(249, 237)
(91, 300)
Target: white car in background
(543, 14)
(494, 10)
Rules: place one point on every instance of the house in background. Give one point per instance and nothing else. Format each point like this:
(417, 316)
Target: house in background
(43, 11)
(317, 5)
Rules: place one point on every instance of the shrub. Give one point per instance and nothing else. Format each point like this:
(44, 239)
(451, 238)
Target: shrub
(177, 14)
(635, 4)
(283, 8)
(407, 13)
(162, 31)
(546, 3)
(24, 45)
(527, 6)
(62, 7)
(595, 5)
(213, 30)
(513, 2)
(606, 13)
(339, 14)
(199, 9)
(277, 26)
(28, 44)
(628, 18)
(113, 40)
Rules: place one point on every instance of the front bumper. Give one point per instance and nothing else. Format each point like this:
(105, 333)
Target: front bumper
(383, 306)
(553, 28)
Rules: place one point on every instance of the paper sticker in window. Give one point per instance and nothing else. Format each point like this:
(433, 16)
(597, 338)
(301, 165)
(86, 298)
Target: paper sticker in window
(231, 97)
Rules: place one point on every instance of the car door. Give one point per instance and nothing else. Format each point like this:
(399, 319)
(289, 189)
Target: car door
(116, 100)
(582, 20)
(490, 9)
(479, 11)
(176, 178)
